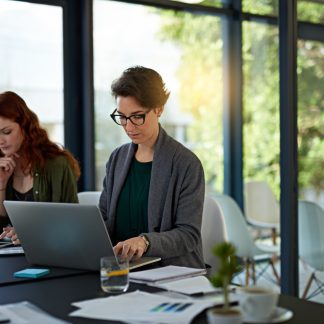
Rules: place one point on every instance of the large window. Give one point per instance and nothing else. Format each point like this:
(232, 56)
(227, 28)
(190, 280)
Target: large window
(311, 121)
(261, 104)
(31, 56)
(186, 50)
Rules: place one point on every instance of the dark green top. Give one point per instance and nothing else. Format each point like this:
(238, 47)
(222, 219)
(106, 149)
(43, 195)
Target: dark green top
(26, 196)
(55, 182)
(131, 215)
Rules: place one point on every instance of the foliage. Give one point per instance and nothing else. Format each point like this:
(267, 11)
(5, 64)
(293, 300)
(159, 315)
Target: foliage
(261, 7)
(200, 74)
(225, 251)
(201, 86)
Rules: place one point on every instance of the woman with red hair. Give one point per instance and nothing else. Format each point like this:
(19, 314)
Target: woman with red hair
(32, 168)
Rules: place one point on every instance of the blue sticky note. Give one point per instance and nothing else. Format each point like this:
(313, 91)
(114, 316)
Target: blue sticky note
(31, 273)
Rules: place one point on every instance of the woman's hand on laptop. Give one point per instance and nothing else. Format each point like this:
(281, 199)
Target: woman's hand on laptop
(10, 233)
(132, 248)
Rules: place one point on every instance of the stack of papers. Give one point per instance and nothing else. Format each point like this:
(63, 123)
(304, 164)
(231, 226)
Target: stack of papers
(12, 250)
(26, 313)
(194, 286)
(164, 274)
(142, 307)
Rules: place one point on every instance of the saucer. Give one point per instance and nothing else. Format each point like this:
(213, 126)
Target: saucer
(279, 315)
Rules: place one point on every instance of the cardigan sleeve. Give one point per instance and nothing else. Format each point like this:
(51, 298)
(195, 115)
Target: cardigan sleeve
(180, 231)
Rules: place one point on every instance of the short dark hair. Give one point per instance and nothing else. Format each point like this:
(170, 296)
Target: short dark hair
(144, 84)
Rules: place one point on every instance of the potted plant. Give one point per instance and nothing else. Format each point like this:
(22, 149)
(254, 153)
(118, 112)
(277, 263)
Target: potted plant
(228, 266)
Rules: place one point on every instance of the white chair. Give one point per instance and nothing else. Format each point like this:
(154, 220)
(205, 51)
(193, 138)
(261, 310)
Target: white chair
(212, 231)
(261, 208)
(311, 242)
(238, 233)
(89, 197)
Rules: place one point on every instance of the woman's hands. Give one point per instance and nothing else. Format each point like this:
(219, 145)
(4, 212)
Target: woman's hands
(10, 232)
(7, 167)
(132, 248)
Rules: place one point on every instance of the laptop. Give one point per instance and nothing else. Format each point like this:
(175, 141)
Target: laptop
(63, 234)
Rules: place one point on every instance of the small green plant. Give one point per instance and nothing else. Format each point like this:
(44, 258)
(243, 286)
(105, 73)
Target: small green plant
(227, 268)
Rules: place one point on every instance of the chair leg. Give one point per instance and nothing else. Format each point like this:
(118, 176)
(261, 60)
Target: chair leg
(274, 270)
(311, 278)
(253, 272)
(274, 236)
(247, 272)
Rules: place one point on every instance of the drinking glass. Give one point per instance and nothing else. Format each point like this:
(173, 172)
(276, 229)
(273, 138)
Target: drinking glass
(114, 274)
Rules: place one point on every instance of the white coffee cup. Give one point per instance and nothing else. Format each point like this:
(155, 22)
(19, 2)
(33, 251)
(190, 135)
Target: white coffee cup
(257, 303)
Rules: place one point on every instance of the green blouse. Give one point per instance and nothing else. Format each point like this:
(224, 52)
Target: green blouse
(131, 213)
(56, 182)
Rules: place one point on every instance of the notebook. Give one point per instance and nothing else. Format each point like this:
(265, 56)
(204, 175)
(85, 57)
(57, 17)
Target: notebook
(63, 235)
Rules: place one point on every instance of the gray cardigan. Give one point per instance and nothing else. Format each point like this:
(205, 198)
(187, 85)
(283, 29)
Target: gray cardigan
(175, 201)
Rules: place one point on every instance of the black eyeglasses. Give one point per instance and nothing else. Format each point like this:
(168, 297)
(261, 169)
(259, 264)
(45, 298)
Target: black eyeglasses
(137, 119)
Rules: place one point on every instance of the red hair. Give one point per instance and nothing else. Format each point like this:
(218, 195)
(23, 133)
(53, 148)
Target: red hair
(36, 147)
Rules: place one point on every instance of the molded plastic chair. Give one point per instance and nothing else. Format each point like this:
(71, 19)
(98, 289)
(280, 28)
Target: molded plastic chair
(212, 231)
(89, 197)
(311, 241)
(261, 207)
(238, 234)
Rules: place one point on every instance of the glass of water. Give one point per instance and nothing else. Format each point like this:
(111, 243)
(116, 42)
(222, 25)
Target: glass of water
(114, 274)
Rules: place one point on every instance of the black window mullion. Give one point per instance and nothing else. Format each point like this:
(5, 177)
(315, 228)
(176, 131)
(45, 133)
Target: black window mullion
(78, 87)
(288, 147)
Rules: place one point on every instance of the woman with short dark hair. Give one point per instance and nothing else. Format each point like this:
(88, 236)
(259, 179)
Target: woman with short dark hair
(153, 193)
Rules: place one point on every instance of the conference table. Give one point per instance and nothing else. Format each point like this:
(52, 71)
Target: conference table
(55, 293)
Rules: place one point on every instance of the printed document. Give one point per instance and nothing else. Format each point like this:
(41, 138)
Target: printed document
(142, 307)
(190, 286)
(26, 313)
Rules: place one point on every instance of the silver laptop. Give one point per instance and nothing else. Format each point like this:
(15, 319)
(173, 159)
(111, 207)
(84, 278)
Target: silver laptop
(63, 235)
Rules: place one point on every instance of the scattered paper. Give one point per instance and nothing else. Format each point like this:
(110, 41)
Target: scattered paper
(27, 313)
(189, 286)
(12, 250)
(164, 274)
(142, 307)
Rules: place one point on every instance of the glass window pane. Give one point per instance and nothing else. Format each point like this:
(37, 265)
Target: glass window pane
(31, 47)
(311, 11)
(187, 51)
(261, 135)
(210, 3)
(311, 121)
(310, 70)
(261, 7)
(261, 104)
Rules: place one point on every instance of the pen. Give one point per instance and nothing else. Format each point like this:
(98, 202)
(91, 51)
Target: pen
(207, 293)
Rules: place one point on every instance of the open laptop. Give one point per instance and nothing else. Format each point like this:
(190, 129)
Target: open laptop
(63, 235)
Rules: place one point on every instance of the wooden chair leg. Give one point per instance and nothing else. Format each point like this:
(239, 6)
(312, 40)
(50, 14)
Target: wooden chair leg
(275, 258)
(274, 270)
(253, 272)
(310, 280)
(274, 236)
(247, 272)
